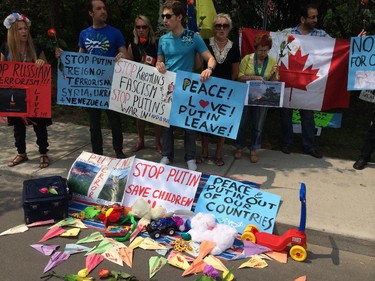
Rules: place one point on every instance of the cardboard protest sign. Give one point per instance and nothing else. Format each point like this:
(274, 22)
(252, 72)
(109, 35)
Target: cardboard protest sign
(237, 204)
(265, 93)
(214, 106)
(99, 179)
(171, 187)
(139, 90)
(85, 80)
(25, 90)
(362, 63)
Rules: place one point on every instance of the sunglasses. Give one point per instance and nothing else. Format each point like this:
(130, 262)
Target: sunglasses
(222, 26)
(167, 16)
(141, 26)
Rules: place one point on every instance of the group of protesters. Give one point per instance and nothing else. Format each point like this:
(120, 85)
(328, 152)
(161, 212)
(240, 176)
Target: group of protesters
(178, 49)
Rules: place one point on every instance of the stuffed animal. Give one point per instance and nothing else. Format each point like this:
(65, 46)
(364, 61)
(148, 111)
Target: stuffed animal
(142, 210)
(205, 228)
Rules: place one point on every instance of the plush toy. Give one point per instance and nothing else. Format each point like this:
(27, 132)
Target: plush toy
(112, 215)
(205, 228)
(142, 210)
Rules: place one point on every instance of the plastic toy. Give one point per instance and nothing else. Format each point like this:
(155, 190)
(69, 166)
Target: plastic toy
(295, 237)
(165, 226)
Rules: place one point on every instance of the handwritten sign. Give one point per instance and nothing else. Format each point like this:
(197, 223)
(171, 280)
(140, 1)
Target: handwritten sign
(214, 106)
(85, 80)
(265, 93)
(237, 204)
(362, 63)
(321, 119)
(99, 179)
(25, 90)
(171, 187)
(139, 90)
(367, 95)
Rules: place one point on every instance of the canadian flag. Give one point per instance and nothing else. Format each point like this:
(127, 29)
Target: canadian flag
(314, 69)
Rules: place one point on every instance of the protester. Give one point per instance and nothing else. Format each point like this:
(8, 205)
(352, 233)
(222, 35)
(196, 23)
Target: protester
(256, 66)
(368, 147)
(20, 48)
(228, 57)
(105, 40)
(308, 21)
(144, 49)
(176, 51)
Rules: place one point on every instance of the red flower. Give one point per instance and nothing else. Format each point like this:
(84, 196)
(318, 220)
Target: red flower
(290, 38)
(51, 32)
(104, 273)
(190, 2)
(143, 40)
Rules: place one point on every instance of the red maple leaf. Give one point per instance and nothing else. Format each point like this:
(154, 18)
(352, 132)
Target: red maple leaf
(296, 76)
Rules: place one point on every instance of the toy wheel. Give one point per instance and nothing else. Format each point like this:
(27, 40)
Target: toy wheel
(298, 253)
(156, 235)
(171, 231)
(248, 236)
(251, 228)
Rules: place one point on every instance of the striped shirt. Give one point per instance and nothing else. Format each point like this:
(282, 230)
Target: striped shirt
(313, 32)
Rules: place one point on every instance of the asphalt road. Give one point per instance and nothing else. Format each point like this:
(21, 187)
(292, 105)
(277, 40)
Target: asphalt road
(21, 262)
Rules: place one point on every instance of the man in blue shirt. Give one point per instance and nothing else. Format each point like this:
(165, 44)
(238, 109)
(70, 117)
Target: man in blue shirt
(105, 40)
(308, 21)
(177, 50)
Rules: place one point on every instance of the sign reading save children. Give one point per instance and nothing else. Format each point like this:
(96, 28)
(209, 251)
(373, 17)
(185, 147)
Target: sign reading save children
(84, 80)
(171, 187)
(214, 106)
(238, 205)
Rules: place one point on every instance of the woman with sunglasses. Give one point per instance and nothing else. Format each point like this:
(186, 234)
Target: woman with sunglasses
(20, 48)
(256, 66)
(227, 55)
(144, 49)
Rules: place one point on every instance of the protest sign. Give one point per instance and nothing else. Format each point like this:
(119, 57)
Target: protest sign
(84, 80)
(25, 90)
(321, 119)
(362, 63)
(265, 93)
(139, 90)
(367, 95)
(238, 204)
(214, 106)
(171, 187)
(99, 179)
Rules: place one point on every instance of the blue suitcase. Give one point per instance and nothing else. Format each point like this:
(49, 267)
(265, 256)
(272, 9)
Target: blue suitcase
(45, 198)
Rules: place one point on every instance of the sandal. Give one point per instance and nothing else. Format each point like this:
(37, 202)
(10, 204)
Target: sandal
(253, 156)
(20, 158)
(44, 161)
(201, 159)
(219, 162)
(138, 147)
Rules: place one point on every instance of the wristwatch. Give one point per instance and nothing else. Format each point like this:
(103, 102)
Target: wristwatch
(210, 68)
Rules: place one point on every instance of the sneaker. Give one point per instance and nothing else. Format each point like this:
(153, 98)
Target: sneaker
(192, 165)
(165, 160)
(360, 164)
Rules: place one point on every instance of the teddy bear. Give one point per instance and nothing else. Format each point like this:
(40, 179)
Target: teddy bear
(142, 209)
(204, 228)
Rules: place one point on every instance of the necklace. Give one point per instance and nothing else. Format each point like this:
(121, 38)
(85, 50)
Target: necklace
(220, 52)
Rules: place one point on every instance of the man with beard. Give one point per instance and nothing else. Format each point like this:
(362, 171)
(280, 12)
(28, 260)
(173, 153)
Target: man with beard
(308, 21)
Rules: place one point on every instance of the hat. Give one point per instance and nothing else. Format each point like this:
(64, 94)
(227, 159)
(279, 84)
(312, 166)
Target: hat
(12, 18)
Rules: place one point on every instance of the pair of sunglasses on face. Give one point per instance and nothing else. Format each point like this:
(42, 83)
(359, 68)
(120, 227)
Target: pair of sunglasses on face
(141, 27)
(219, 26)
(167, 16)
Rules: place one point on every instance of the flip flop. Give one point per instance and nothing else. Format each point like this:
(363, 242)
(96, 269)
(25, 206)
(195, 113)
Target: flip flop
(18, 160)
(201, 159)
(219, 162)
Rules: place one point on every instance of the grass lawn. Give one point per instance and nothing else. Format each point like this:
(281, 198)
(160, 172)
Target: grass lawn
(342, 143)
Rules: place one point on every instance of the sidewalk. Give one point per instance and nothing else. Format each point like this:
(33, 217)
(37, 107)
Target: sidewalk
(340, 200)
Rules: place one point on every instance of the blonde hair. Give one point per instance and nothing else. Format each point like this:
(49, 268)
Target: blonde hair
(222, 15)
(151, 35)
(14, 45)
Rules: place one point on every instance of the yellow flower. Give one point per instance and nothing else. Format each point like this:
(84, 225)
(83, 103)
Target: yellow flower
(83, 272)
